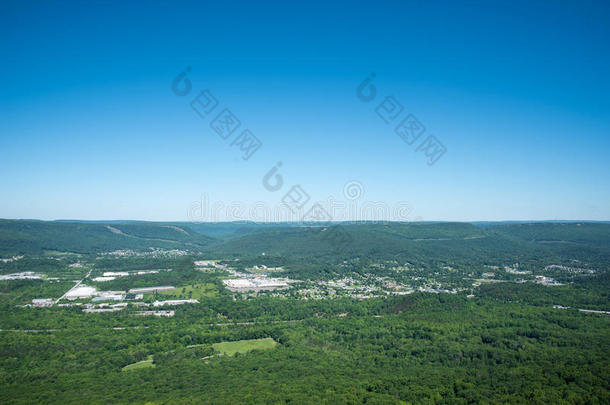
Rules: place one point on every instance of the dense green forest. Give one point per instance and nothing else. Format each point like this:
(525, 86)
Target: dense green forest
(423, 349)
(375, 313)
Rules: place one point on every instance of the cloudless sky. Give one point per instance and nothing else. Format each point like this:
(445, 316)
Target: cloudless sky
(516, 91)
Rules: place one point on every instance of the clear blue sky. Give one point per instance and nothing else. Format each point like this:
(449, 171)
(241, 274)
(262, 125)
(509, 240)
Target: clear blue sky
(517, 91)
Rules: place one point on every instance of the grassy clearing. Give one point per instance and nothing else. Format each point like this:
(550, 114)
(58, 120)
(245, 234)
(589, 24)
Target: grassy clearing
(195, 291)
(140, 364)
(244, 346)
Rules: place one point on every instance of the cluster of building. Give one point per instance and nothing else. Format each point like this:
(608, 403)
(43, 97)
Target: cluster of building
(512, 270)
(205, 263)
(153, 252)
(363, 287)
(11, 259)
(157, 313)
(210, 266)
(264, 269)
(89, 308)
(109, 307)
(245, 282)
(546, 281)
(575, 270)
(437, 290)
(26, 275)
(86, 292)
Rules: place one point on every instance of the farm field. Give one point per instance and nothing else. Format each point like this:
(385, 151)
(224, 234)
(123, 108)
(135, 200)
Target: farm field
(244, 346)
(194, 291)
(140, 364)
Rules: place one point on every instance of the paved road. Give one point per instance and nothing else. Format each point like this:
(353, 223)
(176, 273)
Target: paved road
(75, 286)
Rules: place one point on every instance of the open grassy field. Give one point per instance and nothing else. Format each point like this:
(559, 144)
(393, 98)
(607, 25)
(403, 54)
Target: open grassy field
(140, 364)
(244, 346)
(195, 291)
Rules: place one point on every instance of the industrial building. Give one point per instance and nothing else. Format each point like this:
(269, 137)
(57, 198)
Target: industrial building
(149, 290)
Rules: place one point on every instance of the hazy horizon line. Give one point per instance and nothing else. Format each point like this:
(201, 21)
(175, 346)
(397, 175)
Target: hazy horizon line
(308, 222)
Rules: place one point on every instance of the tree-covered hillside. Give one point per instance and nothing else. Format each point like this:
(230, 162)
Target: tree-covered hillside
(18, 237)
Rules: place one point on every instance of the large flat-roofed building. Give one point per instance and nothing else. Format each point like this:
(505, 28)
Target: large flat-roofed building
(238, 283)
(99, 279)
(108, 297)
(254, 284)
(156, 313)
(42, 302)
(174, 302)
(203, 263)
(82, 291)
(148, 290)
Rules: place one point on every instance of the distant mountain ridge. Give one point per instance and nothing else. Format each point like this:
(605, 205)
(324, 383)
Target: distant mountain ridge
(308, 240)
(20, 236)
